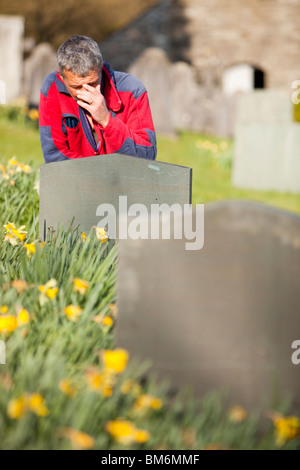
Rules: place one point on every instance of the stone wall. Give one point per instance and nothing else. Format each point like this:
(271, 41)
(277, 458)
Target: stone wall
(214, 38)
(123, 47)
(264, 33)
(215, 34)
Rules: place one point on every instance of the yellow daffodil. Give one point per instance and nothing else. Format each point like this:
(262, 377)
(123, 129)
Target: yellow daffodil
(36, 404)
(115, 360)
(23, 317)
(83, 236)
(17, 407)
(286, 428)
(73, 312)
(79, 439)
(145, 402)
(20, 285)
(3, 309)
(125, 432)
(23, 168)
(33, 114)
(79, 285)
(101, 234)
(142, 436)
(13, 235)
(113, 309)
(26, 402)
(31, 248)
(12, 162)
(48, 291)
(8, 323)
(130, 386)
(98, 318)
(42, 244)
(237, 414)
(100, 381)
(107, 321)
(67, 387)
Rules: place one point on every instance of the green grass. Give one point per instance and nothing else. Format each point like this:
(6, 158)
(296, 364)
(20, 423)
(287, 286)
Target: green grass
(21, 142)
(19, 136)
(212, 171)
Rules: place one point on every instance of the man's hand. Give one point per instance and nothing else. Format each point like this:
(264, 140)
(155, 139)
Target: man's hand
(91, 99)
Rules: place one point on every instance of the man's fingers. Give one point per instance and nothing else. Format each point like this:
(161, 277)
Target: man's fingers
(90, 88)
(84, 105)
(88, 98)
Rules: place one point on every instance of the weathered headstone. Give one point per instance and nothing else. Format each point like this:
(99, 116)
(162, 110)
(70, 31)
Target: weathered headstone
(41, 62)
(179, 100)
(221, 318)
(187, 98)
(153, 69)
(11, 56)
(266, 155)
(76, 188)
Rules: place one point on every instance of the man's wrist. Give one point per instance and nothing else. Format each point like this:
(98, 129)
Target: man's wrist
(105, 124)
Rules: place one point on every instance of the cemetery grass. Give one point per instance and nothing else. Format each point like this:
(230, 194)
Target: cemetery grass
(209, 157)
(65, 384)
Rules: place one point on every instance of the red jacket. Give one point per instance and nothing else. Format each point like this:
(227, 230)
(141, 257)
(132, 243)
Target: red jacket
(65, 132)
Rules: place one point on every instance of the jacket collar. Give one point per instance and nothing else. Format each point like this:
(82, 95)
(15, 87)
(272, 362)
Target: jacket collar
(110, 92)
(111, 95)
(60, 85)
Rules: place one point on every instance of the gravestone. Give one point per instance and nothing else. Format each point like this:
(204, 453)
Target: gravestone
(74, 189)
(266, 155)
(11, 56)
(179, 100)
(187, 98)
(37, 66)
(153, 69)
(221, 318)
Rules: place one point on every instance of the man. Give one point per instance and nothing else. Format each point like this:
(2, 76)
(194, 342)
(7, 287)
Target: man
(88, 109)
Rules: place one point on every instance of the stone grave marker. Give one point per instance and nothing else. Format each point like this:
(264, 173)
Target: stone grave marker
(11, 57)
(225, 317)
(76, 188)
(266, 155)
(153, 69)
(36, 67)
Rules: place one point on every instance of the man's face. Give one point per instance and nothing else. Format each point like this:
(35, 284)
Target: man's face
(74, 83)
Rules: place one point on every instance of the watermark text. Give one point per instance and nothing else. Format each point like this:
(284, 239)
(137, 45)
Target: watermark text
(2, 353)
(296, 354)
(161, 221)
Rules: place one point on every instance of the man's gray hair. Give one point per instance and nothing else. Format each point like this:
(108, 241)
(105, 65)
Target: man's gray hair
(80, 55)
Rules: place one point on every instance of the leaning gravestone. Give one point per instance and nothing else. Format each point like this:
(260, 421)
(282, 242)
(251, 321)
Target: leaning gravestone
(267, 143)
(224, 317)
(11, 57)
(74, 190)
(153, 69)
(37, 66)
